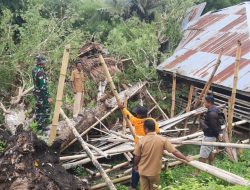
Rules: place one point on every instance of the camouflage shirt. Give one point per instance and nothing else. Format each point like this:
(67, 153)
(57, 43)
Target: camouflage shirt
(40, 80)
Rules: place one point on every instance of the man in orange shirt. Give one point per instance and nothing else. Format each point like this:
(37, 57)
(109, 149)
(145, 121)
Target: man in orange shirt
(141, 114)
(77, 80)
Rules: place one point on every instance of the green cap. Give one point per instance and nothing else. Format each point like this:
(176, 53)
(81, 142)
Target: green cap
(40, 59)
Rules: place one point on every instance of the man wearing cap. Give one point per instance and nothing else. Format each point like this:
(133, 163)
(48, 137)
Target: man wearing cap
(141, 114)
(77, 81)
(41, 93)
(211, 128)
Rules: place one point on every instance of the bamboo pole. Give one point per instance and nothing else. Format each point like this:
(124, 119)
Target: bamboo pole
(209, 82)
(59, 95)
(171, 164)
(121, 135)
(91, 127)
(229, 151)
(81, 162)
(219, 144)
(128, 171)
(89, 153)
(107, 165)
(99, 151)
(188, 108)
(234, 88)
(217, 172)
(118, 180)
(118, 166)
(114, 91)
(173, 94)
(151, 97)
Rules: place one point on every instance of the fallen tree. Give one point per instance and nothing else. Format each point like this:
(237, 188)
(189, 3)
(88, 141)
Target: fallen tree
(88, 121)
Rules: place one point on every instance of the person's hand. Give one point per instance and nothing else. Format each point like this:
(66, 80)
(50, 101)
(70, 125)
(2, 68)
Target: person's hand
(136, 168)
(121, 106)
(50, 100)
(189, 159)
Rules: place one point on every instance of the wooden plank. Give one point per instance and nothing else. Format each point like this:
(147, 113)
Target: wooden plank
(59, 95)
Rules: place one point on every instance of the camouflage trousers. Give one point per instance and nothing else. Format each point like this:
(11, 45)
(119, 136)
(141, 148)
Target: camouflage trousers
(42, 112)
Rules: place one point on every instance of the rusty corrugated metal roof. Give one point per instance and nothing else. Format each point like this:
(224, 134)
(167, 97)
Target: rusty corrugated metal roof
(196, 54)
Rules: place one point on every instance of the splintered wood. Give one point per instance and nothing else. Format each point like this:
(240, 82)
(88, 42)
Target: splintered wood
(112, 148)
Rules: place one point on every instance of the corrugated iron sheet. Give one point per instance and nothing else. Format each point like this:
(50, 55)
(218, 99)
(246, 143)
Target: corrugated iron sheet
(196, 54)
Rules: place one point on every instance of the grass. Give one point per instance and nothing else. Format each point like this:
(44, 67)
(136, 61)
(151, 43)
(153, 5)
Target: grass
(2, 146)
(181, 178)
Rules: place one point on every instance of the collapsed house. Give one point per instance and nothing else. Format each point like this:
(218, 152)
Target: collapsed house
(195, 57)
(109, 147)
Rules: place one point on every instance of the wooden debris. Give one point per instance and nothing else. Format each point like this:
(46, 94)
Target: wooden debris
(89, 153)
(118, 180)
(114, 91)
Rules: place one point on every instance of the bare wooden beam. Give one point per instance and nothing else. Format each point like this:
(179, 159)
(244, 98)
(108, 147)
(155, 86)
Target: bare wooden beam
(59, 95)
(233, 95)
(173, 95)
(113, 89)
(188, 108)
(209, 82)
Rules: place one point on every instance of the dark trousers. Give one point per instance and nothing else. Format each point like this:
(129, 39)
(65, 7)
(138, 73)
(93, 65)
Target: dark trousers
(135, 177)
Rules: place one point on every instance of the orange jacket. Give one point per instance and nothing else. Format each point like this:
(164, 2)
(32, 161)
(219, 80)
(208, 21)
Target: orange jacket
(138, 124)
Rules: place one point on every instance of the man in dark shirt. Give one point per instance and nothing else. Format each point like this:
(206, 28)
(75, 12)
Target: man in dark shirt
(211, 128)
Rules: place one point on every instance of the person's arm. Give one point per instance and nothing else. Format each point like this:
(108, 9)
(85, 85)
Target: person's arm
(178, 154)
(137, 157)
(171, 149)
(136, 162)
(127, 114)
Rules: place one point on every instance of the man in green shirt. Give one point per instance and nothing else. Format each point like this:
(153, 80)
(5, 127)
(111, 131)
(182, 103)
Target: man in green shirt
(41, 93)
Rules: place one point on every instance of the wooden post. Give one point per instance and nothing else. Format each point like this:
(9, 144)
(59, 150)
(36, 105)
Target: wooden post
(190, 97)
(226, 138)
(232, 98)
(59, 96)
(113, 89)
(89, 153)
(173, 94)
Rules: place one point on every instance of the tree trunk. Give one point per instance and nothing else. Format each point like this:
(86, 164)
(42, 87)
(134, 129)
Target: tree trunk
(89, 116)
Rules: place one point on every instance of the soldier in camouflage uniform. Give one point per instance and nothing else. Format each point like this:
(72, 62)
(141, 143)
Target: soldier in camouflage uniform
(41, 93)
